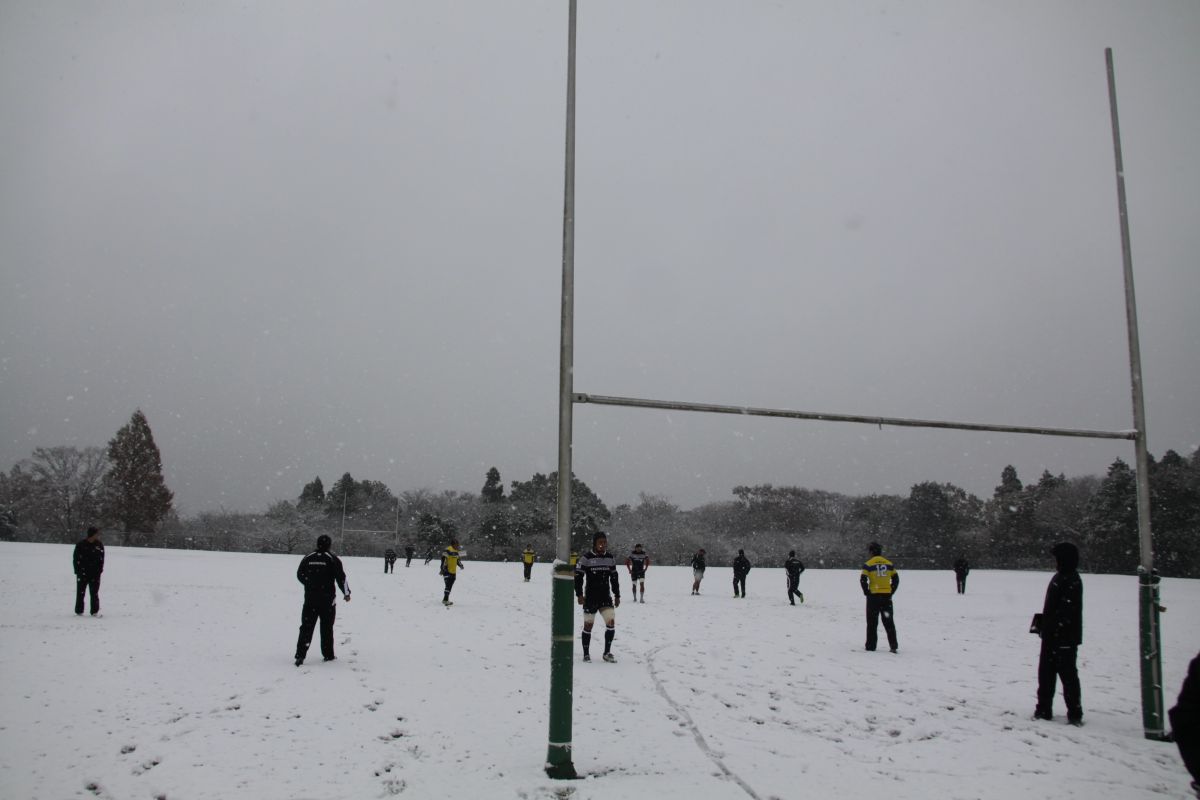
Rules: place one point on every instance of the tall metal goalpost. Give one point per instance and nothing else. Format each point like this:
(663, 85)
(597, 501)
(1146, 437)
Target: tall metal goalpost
(559, 758)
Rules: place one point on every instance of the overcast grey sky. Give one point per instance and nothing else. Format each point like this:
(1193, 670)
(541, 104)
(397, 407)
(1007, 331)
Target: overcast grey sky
(311, 238)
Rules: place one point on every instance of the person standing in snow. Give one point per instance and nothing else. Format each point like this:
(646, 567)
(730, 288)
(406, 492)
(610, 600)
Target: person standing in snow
(638, 563)
(1185, 722)
(792, 568)
(527, 558)
(409, 551)
(88, 561)
(697, 570)
(1061, 630)
(598, 590)
(451, 564)
(319, 572)
(879, 581)
(389, 560)
(741, 568)
(961, 569)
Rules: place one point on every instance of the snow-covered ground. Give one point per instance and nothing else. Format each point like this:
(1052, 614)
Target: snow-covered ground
(184, 688)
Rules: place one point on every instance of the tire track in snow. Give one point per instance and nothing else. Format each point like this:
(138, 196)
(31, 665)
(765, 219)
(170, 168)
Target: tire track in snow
(691, 725)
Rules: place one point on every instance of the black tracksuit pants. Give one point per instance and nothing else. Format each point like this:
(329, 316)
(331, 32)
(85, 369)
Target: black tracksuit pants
(84, 583)
(961, 580)
(880, 605)
(324, 610)
(739, 585)
(1055, 663)
(793, 584)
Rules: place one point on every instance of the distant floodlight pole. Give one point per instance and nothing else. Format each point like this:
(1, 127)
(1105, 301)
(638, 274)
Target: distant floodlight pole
(342, 530)
(562, 617)
(1151, 642)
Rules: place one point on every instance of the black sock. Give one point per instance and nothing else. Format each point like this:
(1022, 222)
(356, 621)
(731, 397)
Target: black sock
(609, 633)
(586, 637)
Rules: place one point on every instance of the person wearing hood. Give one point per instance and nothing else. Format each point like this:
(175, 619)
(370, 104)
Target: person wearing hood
(319, 572)
(1061, 631)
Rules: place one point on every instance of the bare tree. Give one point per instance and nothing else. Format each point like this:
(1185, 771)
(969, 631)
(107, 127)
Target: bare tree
(66, 487)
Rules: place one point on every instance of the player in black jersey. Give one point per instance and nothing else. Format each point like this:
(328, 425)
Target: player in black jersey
(793, 567)
(598, 590)
(320, 572)
(638, 563)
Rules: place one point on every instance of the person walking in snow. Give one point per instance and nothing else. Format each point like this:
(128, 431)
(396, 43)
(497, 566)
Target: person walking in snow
(409, 552)
(697, 570)
(598, 590)
(1061, 631)
(879, 581)
(429, 555)
(88, 560)
(320, 572)
(527, 558)
(741, 568)
(389, 560)
(961, 569)
(792, 568)
(451, 564)
(638, 563)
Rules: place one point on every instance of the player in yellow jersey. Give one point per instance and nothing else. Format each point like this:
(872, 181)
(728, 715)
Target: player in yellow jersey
(451, 564)
(879, 583)
(527, 558)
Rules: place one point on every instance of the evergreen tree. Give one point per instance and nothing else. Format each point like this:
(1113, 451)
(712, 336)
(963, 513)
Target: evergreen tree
(313, 494)
(929, 525)
(493, 489)
(435, 532)
(535, 504)
(1011, 525)
(495, 531)
(1111, 522)
(1060, 513)
(342, 496)
(134, 493)
(1174, 516)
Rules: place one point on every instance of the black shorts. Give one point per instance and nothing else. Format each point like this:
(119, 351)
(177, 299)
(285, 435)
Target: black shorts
(591, 607)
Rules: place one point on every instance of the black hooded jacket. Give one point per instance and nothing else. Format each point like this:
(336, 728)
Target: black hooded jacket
(1062, 613)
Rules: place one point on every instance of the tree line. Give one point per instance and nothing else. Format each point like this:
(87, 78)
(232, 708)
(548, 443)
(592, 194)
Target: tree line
(60, 491)
(57, 492)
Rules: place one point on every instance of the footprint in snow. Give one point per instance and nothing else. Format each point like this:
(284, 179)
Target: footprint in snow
(146, 766)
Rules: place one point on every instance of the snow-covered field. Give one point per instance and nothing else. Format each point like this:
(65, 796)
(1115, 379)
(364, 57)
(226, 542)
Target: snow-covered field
(184, 688)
